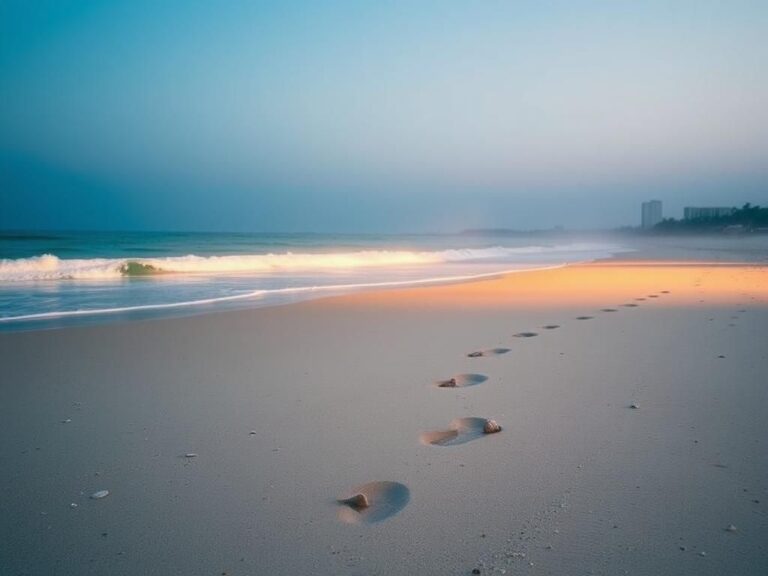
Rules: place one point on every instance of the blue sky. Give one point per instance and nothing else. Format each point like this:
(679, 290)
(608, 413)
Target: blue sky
(377, 116)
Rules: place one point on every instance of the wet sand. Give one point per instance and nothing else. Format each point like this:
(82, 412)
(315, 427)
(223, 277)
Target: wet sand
(226, 441)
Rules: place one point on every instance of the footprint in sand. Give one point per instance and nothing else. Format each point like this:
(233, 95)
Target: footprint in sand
(639, 299)
(525, 334)
(460, 431)
(653, 295)
(630, 305)
(551, 327)
(489, 352)
(665, 292)
(584, 317)
(462, 381)
(608, 310)
(373, 502)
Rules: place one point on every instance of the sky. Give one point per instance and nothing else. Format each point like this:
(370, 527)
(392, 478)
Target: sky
(377, 116)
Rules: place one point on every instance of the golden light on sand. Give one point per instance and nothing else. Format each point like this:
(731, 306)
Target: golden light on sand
(601, 285)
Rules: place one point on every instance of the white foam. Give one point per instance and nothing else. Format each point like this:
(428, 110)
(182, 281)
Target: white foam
(50, 267)
(302, 290)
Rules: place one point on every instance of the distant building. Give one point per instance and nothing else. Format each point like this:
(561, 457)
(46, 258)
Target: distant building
(694, 213)
(651, 214)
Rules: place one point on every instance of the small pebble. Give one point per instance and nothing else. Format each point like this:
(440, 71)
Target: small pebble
(634, 406)
(67, 421)
(190, 455)
(476, 571)
(252, 432)
(702, 553)
(731, 528)
(100, 494)
(73, 505)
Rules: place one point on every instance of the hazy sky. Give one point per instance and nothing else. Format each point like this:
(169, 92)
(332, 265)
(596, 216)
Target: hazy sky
(377, 116)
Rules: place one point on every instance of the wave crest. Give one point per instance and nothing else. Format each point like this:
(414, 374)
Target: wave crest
(50, 267)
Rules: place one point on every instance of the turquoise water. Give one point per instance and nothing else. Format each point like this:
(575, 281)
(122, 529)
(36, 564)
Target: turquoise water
(62, 278)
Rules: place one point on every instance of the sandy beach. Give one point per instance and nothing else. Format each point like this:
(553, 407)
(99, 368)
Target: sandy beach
(632, 399)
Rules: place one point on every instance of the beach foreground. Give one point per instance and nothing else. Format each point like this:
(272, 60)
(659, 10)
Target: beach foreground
(632, 398)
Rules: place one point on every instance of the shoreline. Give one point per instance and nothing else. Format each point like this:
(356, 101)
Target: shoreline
(111, 316)
(729, 251)
(345, 289)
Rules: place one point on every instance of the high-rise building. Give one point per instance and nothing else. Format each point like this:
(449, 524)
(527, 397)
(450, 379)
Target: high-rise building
(694, 212)
(651, 214)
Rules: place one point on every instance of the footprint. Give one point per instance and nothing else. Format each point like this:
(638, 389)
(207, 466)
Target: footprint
(373, 502)
(525, 334)
(489, 352)
(551, 326)
(460, 431)
(584, 317)
(665, 292)
(640, 299)
(608, 310)
(462, 381)
(630, 305)
(653, 295)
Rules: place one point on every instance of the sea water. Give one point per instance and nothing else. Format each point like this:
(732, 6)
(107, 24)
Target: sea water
(62, 278)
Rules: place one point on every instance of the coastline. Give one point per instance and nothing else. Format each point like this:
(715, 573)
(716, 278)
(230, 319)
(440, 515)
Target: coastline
(338, 392)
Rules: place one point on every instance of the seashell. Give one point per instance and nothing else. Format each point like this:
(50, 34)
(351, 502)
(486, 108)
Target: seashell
(474, 354)
(357, 502)
(100, 494)
(491, 427)
(451, 383)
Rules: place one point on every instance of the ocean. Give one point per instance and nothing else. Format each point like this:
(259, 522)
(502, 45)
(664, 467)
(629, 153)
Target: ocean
(54, 279)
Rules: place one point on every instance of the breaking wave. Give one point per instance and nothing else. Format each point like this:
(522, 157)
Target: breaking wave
(50, 267)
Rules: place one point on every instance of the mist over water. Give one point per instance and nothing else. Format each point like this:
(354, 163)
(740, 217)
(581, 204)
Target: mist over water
(56, 279)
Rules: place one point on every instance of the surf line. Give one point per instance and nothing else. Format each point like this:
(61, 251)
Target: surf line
(293, 290)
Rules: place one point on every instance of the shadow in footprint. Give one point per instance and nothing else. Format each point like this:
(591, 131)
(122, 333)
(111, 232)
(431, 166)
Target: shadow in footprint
(460, 431)
(489, 352)
(551, 326)
(584, 317)
(462, 381)
(608, 310)
(373, 502)
(525, 334)
(630, 305)
(665, 292)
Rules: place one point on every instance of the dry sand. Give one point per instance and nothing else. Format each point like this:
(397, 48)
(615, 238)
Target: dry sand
(225, 440)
